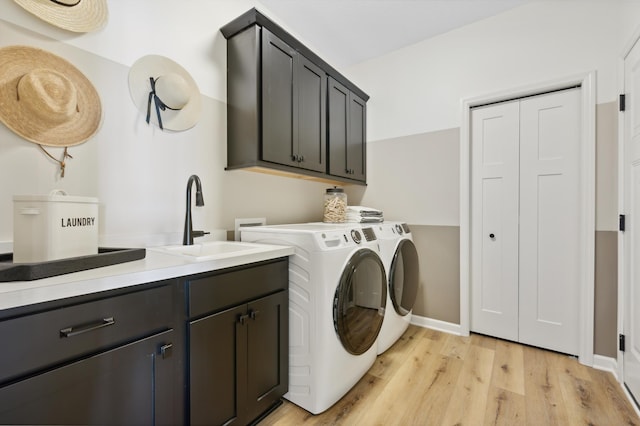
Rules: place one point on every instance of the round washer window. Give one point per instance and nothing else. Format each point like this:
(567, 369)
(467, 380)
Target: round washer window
(359, 301)
(404, 277)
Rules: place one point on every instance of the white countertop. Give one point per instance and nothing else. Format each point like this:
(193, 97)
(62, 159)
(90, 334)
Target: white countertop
(156, 266)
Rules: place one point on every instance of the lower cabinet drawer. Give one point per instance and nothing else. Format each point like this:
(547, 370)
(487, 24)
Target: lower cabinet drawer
(221, 291)
(37, 341)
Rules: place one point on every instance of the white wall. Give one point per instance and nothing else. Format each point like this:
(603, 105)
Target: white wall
(139, 173)
(529, 44)
(418, 90)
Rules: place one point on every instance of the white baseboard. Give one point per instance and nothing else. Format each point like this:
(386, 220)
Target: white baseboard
(435, 324)
(610, 365)
(606, 363)
(6, 246)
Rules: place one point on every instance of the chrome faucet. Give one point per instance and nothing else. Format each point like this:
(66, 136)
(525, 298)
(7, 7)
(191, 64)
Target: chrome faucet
(189, 233)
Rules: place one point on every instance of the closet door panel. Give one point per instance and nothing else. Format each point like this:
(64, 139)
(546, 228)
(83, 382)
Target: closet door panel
(549, 244)
(494, 227)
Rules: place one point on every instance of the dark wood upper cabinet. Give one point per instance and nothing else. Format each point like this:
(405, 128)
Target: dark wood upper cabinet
(293, 105)
(347, 133)
(278, 113)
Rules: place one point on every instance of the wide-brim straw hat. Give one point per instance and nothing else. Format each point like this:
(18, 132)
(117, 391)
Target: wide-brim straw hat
(45, 99)
(79, 16)
(174, 87)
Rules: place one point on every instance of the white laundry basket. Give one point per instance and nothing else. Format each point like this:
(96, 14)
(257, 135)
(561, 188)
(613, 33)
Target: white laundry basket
(54, 226)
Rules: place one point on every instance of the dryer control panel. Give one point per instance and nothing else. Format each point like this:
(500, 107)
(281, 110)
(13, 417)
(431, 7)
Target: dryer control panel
(346, 237)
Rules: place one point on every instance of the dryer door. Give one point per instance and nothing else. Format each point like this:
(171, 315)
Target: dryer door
(359, 301)
(404, 277)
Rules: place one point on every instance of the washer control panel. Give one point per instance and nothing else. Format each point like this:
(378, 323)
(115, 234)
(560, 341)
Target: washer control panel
(369, 234)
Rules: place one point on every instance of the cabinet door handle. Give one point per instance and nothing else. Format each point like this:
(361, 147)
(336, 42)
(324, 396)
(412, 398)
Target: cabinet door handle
(75, 330)
(301, 159)
(166, 350)
(294, 158)
(254, 314)
(242, 319)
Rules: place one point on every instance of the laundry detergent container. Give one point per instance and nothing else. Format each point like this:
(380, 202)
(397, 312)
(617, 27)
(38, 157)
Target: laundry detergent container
(54, 226)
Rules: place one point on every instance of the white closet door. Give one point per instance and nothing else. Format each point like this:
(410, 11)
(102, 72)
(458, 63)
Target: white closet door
(550, 206)
(525, 222)
(494, 227)
(631, 236)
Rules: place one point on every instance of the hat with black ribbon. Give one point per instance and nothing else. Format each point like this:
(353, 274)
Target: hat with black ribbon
(165, 93)
(79, 16)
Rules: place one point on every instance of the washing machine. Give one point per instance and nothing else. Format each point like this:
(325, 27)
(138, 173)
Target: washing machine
(400, 258)
(337, 297)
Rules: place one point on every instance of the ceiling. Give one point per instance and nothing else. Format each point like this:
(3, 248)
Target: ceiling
(346, 32)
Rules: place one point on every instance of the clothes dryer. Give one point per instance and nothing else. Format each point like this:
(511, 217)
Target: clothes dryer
(337, 297)
(400, 257)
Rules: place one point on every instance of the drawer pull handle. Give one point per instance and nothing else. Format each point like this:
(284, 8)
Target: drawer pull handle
(74, 331)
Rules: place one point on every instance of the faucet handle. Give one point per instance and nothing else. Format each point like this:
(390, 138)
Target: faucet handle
(196, 234)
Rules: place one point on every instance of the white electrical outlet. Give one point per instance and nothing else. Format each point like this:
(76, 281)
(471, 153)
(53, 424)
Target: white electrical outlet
(244, 222)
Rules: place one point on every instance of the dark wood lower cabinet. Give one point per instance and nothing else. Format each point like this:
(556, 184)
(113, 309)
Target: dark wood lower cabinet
(267, 352)
(207, 349)
(238, 361)
(129, 385)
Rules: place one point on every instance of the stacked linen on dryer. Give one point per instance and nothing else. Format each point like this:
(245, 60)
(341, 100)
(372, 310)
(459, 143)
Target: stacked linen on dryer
(360, 214)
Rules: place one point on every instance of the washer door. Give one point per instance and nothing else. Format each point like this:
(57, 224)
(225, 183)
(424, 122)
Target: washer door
(359, 301)
(404, 277)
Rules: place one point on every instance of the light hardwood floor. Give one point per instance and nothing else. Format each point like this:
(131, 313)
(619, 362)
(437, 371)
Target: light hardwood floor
(433, 378)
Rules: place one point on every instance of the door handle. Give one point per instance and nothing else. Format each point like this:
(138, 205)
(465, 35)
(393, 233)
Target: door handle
(492, 236)
(254, 314)
(76, 330)
(166, 350)
(242, 319)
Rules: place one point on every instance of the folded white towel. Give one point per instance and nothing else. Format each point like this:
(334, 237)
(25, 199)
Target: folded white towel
(361, 219)
(364, 211)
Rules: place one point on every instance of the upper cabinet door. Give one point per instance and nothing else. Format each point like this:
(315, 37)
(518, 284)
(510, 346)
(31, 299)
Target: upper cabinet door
(293, 105)
(347, 133)
(311, 118)
(356, 143)
(338, 128)
(279, 100)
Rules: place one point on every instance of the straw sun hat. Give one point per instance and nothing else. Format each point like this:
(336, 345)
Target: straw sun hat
(45, 99)
(79, 16)
(165, 92)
